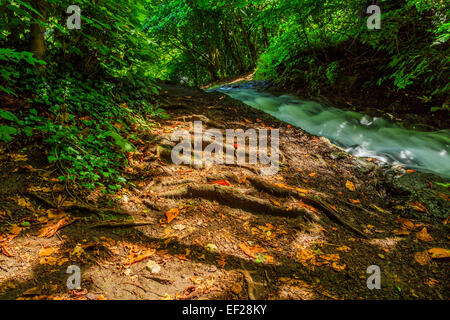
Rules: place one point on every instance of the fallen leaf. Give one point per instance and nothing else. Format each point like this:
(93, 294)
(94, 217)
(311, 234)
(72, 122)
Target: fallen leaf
(15, 230)
(77, 251)
(172, 214)
(53, 261)
(25, 203)
(405, 224)
(401, 232)
(45, 252)
(306, 206)
(251, 251)
(422, 258)
(275, 202)
(268, 259)
(138, 255)
(439, 253)
(424, 235)
(431, 282)
(338, 267)
(39, 189)
(222, 182)
(444, 196)
(350, 186)
(243, 180)
(344, 249)
(302, 190)
(50, 230)
(418, 206)
(354, 201)
(330, 257)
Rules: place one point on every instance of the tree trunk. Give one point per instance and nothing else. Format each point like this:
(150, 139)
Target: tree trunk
(37, 46)
(228, 45)
(246, 36)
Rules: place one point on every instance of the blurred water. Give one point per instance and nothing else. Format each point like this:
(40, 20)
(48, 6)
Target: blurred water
(359, 134)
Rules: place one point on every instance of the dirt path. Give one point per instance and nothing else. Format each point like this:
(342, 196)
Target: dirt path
(309, 232)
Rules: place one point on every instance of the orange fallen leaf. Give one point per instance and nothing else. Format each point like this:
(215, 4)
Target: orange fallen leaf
(439, 253)
(350, 186)
(338, 267)
(424, 235)
(431, 282)
(405, 223)
(50, 230)
(243, 180)
(222, 182)
(418, 206)
(284, 186)
(138, 255)
(181, 257)
(268, 259)
(312, 174)
(354, 201)
(45, 252)
(305, 257)
(302, 190)
(306, 206)
(15, 230)
(252, 252)
(330, 257)
(401, 232)
(275, 202)
(411, 171)
(334, 208)
(444, 196)
(172, 214)
(422, 258)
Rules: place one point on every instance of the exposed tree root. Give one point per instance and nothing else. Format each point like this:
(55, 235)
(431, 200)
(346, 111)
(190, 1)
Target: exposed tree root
(202, 118)
(236, 199)
(310, 200)
(120, 224)
(152, 205)
(250, 283)
(78, 207)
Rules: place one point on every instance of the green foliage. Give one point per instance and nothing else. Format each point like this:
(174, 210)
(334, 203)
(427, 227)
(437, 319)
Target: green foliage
(90, 90)
(409, 52)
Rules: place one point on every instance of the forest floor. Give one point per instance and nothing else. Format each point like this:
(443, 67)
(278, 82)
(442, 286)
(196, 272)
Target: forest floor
(222, 232)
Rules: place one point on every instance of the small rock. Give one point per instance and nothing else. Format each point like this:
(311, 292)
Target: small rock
(153, 267)
(179, 227)
(211, 247)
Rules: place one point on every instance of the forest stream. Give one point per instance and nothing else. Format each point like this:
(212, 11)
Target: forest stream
(359, 134)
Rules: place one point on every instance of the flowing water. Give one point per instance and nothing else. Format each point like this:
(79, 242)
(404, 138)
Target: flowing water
(359, 134)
